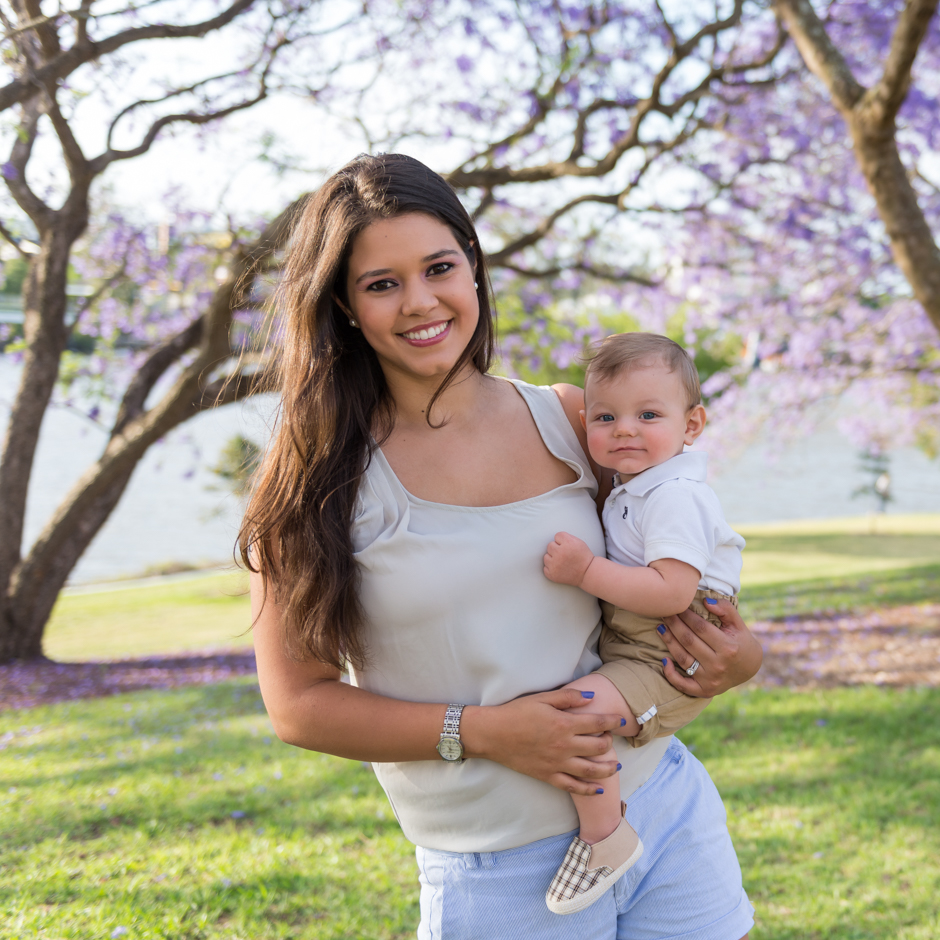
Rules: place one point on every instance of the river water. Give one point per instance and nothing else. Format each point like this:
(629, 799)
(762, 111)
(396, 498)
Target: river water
(173, 512)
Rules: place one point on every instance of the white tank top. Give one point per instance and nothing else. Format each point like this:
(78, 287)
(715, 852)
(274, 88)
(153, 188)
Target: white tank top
(457, 610)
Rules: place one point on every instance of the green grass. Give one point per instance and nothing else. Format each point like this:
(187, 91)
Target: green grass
(829, 565)
(179, 815)
(841, 595)
(194, 613)
(791, 568)
(122, 816)
(839, 548)
(834, 805)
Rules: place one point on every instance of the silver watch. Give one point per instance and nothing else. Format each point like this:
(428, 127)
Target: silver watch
(450, 746)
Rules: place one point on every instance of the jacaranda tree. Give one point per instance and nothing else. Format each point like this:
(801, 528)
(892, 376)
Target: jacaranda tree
(568, 105)
(790, 243)
(63, 70)
(645, 165)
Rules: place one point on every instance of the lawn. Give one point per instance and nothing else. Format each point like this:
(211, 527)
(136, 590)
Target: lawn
(179, 815)
(194, 612)
(831, 565)
(791, 568)
(839, 548)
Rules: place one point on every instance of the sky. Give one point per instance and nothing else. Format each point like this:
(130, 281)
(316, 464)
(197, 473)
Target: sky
(214, 168)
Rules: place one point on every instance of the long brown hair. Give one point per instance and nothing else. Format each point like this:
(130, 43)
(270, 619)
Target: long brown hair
(335, 403)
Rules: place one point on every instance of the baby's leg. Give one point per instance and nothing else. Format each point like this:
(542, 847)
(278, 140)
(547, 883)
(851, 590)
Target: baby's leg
(599, 815)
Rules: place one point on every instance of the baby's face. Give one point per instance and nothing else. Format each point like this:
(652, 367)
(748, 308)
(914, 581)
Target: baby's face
(639, 419)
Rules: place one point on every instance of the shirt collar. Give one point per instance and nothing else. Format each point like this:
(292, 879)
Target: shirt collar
(692, 465)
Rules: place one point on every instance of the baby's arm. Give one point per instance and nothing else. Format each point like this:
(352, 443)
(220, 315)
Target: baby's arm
(665, 587)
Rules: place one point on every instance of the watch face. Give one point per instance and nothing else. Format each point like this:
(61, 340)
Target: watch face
(450, 748)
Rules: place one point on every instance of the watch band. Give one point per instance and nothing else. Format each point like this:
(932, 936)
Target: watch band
(452, 720)
(450, 746)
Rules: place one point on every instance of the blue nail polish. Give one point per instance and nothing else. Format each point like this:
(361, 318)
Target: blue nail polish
(623, 721)
(665, 663)
(660, 629)
(599, 790)
(710, 600)
(587, 695)
(619, 766)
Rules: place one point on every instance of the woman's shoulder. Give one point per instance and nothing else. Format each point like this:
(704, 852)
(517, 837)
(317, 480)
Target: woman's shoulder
(546, 399)
(380, 502)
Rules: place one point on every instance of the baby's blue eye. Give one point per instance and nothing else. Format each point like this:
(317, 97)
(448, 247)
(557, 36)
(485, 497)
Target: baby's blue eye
(648, 415)
(605, 418)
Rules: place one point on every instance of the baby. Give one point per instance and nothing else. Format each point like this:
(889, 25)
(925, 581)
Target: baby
(668, 548)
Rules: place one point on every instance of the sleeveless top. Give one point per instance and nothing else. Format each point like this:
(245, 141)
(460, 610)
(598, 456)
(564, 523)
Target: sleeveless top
(457, 610)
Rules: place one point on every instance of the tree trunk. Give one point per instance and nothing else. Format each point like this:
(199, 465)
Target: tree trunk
(33, 583)
(46, 334)
(912, 242)
(870, 114)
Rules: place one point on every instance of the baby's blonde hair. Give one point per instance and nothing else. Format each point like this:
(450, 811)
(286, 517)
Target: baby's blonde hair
(639, 350)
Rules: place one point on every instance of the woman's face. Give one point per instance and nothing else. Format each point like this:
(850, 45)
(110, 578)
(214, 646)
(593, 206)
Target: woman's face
(410, 289)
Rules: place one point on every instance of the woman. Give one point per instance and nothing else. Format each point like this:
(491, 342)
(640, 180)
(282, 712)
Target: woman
(398, 526)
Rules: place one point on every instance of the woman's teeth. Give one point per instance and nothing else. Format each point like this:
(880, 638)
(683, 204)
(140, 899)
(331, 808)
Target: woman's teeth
(427, 334)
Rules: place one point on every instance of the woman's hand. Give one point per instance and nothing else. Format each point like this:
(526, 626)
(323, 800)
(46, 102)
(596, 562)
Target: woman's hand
(543, 736)
(727, 655)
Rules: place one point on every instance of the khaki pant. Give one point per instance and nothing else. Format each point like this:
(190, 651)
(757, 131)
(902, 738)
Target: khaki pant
(632, 651)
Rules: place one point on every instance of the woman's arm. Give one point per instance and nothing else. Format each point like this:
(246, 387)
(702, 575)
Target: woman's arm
(727, 655)
(543, 735)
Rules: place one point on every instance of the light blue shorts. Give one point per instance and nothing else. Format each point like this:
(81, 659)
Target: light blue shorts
(686, 885)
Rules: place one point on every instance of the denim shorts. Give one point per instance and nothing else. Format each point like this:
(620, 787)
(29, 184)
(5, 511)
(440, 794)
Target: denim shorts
(686, 886)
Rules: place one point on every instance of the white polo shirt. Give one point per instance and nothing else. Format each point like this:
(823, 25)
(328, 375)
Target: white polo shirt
(669, 511)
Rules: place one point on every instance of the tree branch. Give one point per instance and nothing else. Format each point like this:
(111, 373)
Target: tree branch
(156, 364)
(85, 51)
(45, 31)
(13, 31)
(111, 156)
(232, 388)
(13, 240)
(929, 182)
(40, 214)
(213, 325)
(469, 175)
(818, 52)
(598, 271)
(175, 93)
(98, 293)
(75, 160)
(883, 100)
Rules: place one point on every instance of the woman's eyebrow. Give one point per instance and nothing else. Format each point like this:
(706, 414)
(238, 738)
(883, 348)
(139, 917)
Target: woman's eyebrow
(425, 260)
(362, 277)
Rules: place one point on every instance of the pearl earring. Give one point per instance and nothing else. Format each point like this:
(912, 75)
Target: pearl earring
(476, 286)
(353, 323)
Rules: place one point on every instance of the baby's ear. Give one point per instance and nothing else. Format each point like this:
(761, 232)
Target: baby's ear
(694, 423)
(583, 417)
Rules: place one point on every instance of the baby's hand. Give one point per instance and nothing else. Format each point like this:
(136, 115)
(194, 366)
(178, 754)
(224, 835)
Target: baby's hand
(567, 559)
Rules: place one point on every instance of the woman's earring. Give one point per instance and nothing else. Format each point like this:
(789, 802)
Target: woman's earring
(476, 286)
(353, 323)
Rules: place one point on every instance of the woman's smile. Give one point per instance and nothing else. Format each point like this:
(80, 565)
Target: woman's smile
(428, 334)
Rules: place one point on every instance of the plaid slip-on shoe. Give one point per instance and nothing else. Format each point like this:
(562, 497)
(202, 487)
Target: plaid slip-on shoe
(589, 870)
